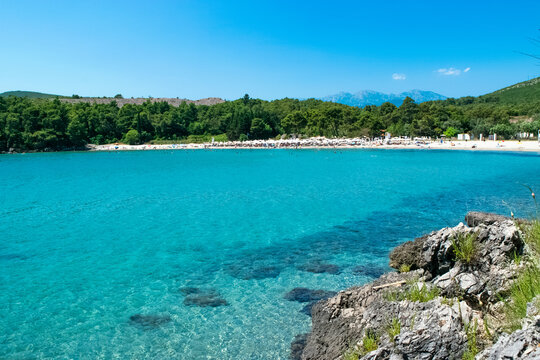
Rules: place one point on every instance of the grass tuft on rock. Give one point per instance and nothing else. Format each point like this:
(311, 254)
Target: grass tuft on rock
(471, 329)
(464, 246)
(370, 343)
(393, 329)
(416, 291)
(527, 284)
(404, 268)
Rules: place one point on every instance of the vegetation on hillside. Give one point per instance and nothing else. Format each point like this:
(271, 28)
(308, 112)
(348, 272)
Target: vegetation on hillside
(28, 94)
(38, 124)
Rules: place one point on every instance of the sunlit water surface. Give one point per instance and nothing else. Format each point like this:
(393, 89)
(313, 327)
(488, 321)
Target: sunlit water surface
(96, 248)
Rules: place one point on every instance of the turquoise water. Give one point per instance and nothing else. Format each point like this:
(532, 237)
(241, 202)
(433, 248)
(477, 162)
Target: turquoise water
(89, 241)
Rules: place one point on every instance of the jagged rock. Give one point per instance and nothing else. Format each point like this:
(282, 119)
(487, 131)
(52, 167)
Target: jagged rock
(148, 322)
(492, 268)
(409, 254)
(522, 344)
(432, 329)
(475, 218)
(307, 295)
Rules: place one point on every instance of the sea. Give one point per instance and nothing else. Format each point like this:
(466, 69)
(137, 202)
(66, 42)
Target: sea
(193, 254)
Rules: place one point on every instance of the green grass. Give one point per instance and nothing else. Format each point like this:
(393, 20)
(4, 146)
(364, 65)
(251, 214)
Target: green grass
(523, 290)
(532, 237)
(370, 342)
(393, 329)
(527, 284)
(351, 354)
(415, 292)
(472, 346)
(404, 268)
(464, 246)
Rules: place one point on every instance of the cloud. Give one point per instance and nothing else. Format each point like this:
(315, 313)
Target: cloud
(397, 76)
(452, 71)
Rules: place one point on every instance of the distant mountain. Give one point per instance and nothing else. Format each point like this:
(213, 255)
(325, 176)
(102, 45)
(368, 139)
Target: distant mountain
(525, 91)
(369, 97)
(28, 94)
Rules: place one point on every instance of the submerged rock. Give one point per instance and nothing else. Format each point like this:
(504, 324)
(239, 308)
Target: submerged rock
(367, 270)
(297, 346)
(253, 272)
(307, 295)
(149, 321)
(202, 297)
(307, 308)
(319, 267)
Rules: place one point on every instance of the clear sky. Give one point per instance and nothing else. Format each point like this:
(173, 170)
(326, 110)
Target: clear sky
(268, 49)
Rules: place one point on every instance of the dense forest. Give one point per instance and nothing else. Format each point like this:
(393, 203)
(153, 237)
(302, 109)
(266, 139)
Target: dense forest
(45, 124)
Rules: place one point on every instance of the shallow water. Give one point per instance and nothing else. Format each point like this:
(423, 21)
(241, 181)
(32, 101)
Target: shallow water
(97, 249)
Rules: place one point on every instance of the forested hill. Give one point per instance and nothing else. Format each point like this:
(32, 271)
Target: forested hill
(42, 124)
(28, 94)
(518, 93)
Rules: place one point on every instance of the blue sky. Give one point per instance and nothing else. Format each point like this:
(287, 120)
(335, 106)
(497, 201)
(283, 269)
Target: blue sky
(268, 49)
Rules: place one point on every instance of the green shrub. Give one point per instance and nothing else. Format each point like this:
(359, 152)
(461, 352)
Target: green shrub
(404, 268)
(414, 292)
(532, 237)
(464, 246)
(527, 284)
(132, 137)
(525, 288)
(369, 343)
(472, 347)
(393, 329)
(421, 292)
(351, 354)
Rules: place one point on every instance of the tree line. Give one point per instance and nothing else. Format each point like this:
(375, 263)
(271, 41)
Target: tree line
(41, 124)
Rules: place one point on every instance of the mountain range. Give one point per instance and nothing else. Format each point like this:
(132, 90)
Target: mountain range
(369, 97)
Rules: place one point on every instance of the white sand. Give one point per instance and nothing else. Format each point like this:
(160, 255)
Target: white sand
(311, 143)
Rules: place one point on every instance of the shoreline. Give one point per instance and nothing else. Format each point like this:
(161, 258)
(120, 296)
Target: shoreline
(489, 145)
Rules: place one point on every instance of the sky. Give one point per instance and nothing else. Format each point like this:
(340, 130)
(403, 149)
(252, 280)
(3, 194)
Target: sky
(267, 49)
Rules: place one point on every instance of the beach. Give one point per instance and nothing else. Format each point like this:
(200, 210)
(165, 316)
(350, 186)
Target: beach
(355, 143)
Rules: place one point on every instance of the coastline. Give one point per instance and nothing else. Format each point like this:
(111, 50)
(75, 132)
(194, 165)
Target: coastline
(321, 143)
(437, 305)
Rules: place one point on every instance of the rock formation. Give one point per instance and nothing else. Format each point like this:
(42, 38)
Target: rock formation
(438, 310)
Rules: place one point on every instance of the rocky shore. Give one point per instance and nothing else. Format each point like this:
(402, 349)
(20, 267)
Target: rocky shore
(439, 305)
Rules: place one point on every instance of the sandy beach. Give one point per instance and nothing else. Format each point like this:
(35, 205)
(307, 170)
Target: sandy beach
(323, 143)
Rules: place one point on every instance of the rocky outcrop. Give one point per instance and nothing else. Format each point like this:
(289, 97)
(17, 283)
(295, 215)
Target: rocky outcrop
(482, 278)
(427, 313)
(520, 345)
(475, 218)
